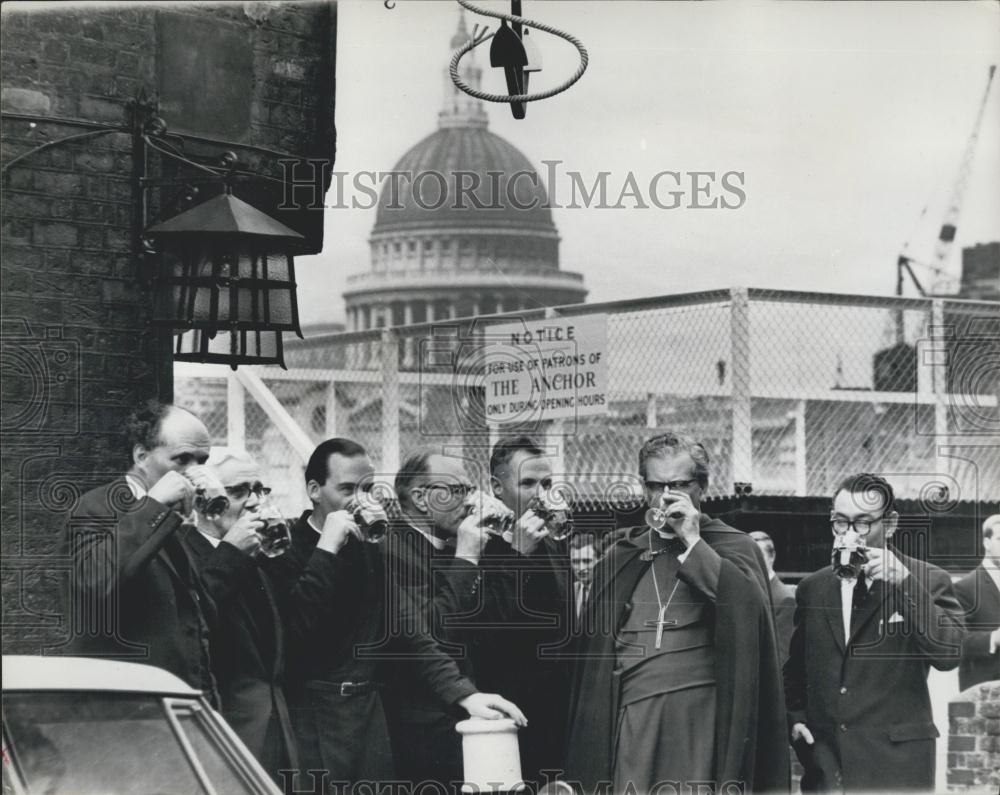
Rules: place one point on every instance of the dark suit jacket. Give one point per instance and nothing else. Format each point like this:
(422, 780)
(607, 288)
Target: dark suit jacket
(332, 605)
(524, 652)
(132, 593)
(981, 601)
(783, 602)
(432, 594)
(247, 649)
(866, 700)
(346, 622)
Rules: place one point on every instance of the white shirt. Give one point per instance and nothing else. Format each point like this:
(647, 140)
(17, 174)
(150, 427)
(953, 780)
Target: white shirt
(846, 602)
(136, 487)
(992, 566)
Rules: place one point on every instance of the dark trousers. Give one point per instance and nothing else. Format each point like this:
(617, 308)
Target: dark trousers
(343, 735)
(426, 747)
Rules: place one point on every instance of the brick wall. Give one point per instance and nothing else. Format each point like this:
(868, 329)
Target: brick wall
(974, 740)
(77, 348)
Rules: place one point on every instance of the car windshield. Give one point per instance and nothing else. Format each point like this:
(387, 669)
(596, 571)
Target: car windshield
(102, 744)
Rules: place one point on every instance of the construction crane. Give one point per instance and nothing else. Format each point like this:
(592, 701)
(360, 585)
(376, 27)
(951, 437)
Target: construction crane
(946, 237)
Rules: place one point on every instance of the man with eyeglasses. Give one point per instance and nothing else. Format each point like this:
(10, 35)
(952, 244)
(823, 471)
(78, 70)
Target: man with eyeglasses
(340, 621)
(434, 550)
(247, 640)
(862, 647)
(132, 595)
(679, 681)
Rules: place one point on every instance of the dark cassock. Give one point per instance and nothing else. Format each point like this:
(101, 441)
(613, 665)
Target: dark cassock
(678, 678)
(523, 653)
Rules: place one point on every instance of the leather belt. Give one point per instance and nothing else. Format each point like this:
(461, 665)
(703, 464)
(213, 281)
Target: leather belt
(357, 688)
(345, 688)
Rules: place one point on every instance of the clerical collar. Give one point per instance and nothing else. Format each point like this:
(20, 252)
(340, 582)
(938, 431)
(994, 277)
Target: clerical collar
(437, 543)
(211, 539)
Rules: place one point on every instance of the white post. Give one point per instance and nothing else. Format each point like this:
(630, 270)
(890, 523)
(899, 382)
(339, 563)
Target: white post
(651, 410)
(297, 438)
(939, 380)
(236, 415)
(409, 341)
(739, 358)
(390, 401)
(801, 479)
(330, 415)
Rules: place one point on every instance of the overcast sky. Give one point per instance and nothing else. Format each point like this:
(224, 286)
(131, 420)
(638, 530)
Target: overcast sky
(847, 120)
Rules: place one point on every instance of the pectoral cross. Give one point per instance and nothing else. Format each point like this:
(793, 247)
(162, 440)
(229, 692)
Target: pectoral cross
(661, 622)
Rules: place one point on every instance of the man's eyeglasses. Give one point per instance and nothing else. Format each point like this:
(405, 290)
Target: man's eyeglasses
(670, 485)
(457, 491)
(862, 526)
(242, 491)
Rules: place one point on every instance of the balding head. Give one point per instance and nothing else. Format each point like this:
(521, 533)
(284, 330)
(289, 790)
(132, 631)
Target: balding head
(164, 439)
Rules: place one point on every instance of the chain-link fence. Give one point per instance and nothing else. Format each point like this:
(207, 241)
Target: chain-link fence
(788, 391)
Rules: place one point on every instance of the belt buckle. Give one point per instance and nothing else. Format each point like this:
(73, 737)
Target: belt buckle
(347, 688)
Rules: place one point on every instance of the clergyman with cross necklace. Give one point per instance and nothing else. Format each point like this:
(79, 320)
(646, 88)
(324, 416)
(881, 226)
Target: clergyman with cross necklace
(680, 623)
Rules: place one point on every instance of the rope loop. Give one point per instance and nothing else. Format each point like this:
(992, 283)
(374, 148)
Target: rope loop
(479, 36)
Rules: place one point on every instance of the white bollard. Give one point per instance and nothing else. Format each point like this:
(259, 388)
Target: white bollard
(490, 755)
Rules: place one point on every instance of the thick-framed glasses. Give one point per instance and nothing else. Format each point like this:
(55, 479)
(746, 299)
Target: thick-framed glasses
(670, 485)
(862, 526)
(242, 491)
(456, 492)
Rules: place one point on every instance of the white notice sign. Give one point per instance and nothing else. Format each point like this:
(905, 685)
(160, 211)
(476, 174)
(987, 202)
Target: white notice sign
(546, 369)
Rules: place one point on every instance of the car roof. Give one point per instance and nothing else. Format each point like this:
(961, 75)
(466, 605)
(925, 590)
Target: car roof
(24, 672)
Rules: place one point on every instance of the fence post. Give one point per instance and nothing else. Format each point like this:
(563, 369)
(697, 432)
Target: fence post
(330, 411)
(390, 401)
(555, 436)
(739, 355)
(236, 415)
(801, 471)
(297, 438)
(939, 379)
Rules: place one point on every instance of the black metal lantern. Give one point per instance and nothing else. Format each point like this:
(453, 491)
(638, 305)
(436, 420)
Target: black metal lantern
(226, 267)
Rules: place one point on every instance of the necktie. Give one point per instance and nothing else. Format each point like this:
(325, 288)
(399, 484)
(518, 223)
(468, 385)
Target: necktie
(858, 601)
(860, 593)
